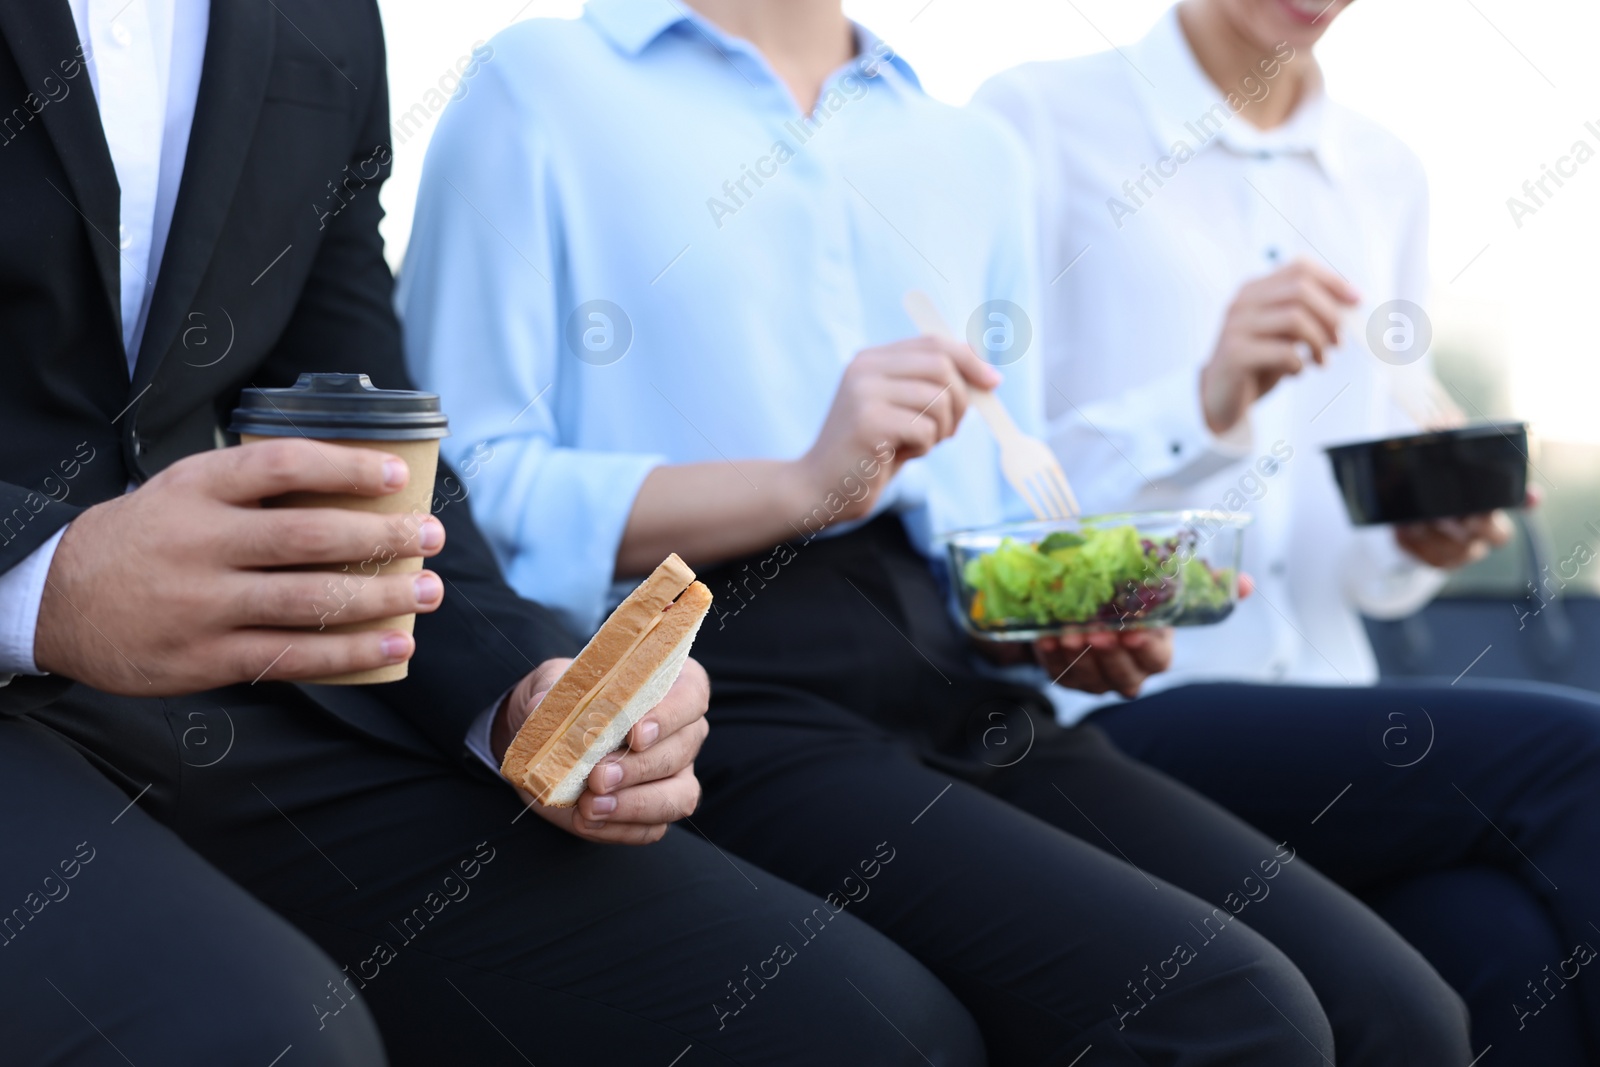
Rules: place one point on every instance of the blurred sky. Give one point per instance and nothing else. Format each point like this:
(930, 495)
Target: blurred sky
(1486, 91)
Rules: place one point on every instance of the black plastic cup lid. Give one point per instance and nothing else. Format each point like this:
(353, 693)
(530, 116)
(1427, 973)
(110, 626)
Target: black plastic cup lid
(340, 406)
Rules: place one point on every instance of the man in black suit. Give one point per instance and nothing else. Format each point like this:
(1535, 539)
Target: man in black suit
(200, 860)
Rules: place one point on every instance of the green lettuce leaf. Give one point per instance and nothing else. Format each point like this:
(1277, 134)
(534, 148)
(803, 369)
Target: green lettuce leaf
(1065, 578)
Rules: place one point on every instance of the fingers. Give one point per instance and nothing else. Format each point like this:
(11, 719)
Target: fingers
(883, 420)
(653, 782)
(684, 705)
(1294, 322)
(1247, 585)
(1151, 650)
(1128, 657)
(521, 701)
(331, 598)
(277, 537)
(1304, 301)
(917, 361)
(641, 814)
(265, 469)
(278, 655)
(1478, 535)
(1325, 278)
(973, 369)
(1414, 539)
(927, 358)
(1120, 671)
(1301, 289)
(1070, 662)
(1106, 660)
(1083, 674)
(1498, 529)
(537, 682)
(914, 392)
(940, 406)
(1277, 358)
(938, 359)
(1452, 543)
(572, 822)
(625, 770)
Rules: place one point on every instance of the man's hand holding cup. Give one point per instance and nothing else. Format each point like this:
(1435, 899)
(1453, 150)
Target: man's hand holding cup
(181, 585)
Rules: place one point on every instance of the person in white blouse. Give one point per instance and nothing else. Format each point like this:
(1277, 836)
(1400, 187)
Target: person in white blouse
(1222, 245)
(1264, 224)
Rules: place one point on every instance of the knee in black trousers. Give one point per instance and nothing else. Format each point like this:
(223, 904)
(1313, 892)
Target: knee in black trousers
(127, 947)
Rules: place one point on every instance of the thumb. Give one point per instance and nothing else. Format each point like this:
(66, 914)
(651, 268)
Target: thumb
(517, 713)
(977, 371)
(509, 719)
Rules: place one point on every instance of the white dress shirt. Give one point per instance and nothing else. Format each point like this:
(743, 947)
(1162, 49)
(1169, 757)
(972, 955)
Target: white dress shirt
(1137, 278)
(144, 59)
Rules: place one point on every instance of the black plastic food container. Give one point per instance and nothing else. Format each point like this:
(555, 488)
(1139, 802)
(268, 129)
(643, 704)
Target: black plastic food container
(1440, 475)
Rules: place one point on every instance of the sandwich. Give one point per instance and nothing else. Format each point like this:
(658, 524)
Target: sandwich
(623, 672)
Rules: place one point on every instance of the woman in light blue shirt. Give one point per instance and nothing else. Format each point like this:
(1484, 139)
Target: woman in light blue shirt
(662, 302)
(659, 269)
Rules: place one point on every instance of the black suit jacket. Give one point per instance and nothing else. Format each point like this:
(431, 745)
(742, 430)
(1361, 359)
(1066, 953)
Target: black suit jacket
(273, 266)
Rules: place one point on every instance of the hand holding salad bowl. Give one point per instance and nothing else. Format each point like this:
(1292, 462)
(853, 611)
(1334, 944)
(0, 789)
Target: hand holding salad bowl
(1096, 598)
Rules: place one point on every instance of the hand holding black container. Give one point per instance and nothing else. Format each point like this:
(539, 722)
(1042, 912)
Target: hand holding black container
(1469, 470)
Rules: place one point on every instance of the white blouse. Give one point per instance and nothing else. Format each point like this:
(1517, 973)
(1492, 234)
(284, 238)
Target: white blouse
(1156, 204)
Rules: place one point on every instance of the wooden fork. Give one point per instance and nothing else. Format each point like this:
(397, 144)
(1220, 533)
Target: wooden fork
(1027, 462)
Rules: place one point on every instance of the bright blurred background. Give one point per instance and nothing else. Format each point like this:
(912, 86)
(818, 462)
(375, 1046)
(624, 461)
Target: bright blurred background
(1487, 92)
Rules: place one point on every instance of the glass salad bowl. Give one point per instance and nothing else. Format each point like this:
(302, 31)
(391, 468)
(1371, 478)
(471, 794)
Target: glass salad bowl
(1023, 581)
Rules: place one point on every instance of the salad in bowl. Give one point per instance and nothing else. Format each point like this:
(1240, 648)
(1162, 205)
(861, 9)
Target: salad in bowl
(1022, 581)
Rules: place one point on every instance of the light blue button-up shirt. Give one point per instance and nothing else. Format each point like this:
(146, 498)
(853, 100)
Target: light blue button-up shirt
(631, 248)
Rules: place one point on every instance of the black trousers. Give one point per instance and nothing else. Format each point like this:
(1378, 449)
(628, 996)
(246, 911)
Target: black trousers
(1469, 816)
(246, 880)
(1072, 898)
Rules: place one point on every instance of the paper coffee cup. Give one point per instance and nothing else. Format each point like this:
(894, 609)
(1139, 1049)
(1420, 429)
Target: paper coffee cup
(345, 409)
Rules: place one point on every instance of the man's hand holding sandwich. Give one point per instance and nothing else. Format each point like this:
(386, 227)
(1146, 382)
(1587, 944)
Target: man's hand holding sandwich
(635, 792)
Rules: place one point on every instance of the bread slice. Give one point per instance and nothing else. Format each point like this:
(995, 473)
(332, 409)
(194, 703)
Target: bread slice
(623, 672)
(558, 773)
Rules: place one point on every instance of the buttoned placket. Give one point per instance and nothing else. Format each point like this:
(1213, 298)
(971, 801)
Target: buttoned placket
(1271, 244)
(134, 118)
(818, 164)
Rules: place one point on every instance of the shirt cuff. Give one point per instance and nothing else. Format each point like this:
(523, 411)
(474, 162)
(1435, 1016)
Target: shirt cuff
(1155, 434)
(1172, 408)
(567, 530)
(21, 590)
(477, 739)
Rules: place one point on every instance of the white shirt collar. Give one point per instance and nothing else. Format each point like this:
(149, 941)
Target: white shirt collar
(1182, 104)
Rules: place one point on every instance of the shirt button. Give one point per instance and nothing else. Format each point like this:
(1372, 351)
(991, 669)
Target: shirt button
(1278, 568)
(1272, 253)
(120, 34)
(1177, 448)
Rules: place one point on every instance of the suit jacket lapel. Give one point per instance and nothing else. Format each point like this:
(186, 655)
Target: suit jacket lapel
(45, 43)
(233, 82)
